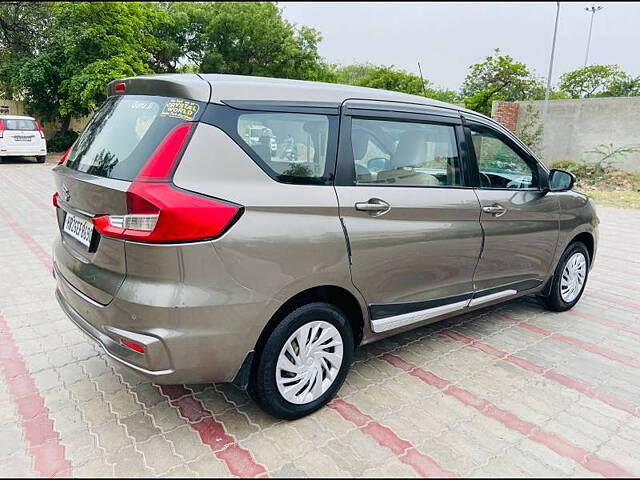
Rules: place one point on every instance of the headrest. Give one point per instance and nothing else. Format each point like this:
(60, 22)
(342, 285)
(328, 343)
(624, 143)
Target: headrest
(411, 149)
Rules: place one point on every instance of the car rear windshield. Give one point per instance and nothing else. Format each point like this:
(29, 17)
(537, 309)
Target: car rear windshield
(124, 133)
(19, 124)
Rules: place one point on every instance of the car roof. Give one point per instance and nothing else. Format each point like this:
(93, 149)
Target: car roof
(241, 87)
(16, 117)
(223, 88)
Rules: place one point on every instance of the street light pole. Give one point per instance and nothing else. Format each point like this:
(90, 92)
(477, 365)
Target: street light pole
(593, 9)
(553, 51)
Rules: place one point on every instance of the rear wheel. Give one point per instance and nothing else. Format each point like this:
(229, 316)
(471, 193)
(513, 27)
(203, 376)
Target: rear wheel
(304, 361)
(569, 278)
(41, 158)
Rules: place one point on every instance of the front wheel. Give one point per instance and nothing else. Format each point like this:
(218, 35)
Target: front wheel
(569, 278)
(304, 361)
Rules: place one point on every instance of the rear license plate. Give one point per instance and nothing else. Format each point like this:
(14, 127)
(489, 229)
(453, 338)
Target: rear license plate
(79, 229)
(22, 139)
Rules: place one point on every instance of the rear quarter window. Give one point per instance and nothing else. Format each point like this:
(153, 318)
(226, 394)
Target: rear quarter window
(290, 147)
(124, 133)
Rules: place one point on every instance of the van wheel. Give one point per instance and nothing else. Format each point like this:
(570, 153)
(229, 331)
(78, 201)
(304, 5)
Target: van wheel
(41, 158)
(569, 278)
(304, 361)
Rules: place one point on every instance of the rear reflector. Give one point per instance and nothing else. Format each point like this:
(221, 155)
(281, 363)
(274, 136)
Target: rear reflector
(120, 87)
(132, 345)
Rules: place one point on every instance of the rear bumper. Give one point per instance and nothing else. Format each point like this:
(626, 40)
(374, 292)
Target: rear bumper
(26, 153)
(110, 346)
(182, 344)
(148, 365)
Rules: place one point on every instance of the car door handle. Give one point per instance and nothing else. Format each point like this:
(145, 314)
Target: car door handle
(495, 210)
(374, 206)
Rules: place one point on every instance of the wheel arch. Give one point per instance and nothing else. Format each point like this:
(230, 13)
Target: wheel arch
(338, 296)
(589, 242)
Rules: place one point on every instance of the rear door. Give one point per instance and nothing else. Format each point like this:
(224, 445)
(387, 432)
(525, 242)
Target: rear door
(520, 221)
(411, 220)
(21, 135)
(94, 181)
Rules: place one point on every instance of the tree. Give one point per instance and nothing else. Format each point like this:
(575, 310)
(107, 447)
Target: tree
(391, 78)
(90, 45)
(599, 81)
(23, 26)
(499, 77)
(252, 39)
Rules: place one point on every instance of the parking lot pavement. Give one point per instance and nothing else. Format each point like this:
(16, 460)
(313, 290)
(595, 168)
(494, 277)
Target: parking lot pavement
(512, 390)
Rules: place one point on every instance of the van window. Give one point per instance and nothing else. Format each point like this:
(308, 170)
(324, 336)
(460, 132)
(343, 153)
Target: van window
(124, 133)
(19, 124)
(405, 153)
(499, 165)
(288, 144)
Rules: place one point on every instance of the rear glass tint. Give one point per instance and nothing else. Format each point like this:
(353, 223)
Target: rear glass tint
(19, 124)
(124, 133)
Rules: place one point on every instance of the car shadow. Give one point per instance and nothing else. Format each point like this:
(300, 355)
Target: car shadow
(25, 160)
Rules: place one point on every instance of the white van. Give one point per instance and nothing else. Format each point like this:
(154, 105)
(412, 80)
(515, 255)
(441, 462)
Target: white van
(22, 137)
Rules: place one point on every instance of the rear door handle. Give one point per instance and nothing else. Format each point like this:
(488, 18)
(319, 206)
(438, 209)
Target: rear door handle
(374, 206)
(495, 210)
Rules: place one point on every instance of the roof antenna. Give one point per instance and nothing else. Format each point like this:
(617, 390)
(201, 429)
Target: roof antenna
(424, 92)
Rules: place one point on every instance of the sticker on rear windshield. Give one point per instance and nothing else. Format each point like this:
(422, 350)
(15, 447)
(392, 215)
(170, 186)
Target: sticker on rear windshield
(182, 109)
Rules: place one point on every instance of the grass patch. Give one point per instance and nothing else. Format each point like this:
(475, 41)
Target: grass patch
(622, 199)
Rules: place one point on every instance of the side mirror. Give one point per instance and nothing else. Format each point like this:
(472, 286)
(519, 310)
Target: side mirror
(561, 181)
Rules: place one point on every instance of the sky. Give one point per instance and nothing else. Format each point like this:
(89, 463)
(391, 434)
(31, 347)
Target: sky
(448, 37)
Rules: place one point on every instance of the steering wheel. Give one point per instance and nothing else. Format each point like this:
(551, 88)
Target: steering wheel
(486, 180)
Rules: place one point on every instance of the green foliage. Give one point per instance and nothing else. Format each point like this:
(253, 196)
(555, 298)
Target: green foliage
(599, 81)
(89, 45)
(391, 78)
(499, 77)
(61, 141)
(599, 173)
(253, 38)
(568, 164)
(23, 26)
(530, 130)
(607, 154)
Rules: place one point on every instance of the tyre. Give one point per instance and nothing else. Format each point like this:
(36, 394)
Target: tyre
(41, 158)
(569, 278)
(304, 361)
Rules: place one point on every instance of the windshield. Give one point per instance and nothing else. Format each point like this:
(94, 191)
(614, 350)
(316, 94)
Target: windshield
(124, 133)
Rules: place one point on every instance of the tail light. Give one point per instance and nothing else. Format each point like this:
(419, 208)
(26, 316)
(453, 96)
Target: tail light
(55, 201)
(39, 127)
(160, 212)
(1, 128)
(64, 157)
